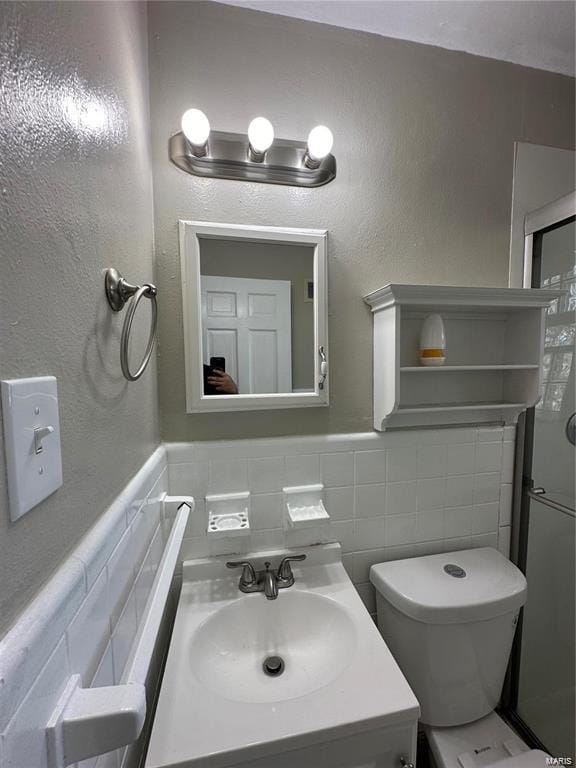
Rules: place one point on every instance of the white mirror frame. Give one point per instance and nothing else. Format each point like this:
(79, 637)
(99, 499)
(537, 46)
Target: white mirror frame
(191, 232)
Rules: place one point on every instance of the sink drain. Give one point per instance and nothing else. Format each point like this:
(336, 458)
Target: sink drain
(273, 666)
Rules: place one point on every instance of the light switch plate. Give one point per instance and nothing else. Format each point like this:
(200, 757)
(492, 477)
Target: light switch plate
(33, 456)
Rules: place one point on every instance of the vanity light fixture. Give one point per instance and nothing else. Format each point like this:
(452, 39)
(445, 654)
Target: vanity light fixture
(260, 138)
(320, 141)
(257, 157)
(196, 128)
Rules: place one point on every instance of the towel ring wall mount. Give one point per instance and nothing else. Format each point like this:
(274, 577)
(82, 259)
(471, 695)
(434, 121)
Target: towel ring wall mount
(119, 292)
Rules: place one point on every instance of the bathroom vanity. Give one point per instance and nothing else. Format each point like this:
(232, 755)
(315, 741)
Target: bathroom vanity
(339, 701)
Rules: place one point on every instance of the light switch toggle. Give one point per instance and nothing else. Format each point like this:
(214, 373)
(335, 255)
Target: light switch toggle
(39, 434)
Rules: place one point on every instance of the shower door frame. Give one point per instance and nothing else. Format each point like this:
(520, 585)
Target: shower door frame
(537, 222)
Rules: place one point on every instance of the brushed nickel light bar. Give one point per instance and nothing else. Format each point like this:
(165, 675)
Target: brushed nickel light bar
(258, 156)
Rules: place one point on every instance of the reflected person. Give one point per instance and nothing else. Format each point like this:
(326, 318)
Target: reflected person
(218, 382)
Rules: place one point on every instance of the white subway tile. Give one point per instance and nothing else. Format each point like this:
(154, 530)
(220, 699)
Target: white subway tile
(147, 573)
(267, 539)
(457, 522)
(24, 740)
(303, 470)
(401, 529)
(490, 434)
(484, 540)
(370, 533)
(508, 462)
(431, 494)
(431, 461)
(28, 644)
(370, 500)
(228, 475)
(123, 636)
(120, 569)
(189, 479)
(430, 525)
(485, 518)
(194, 547)
(504, 540)
(363, 561)
(337, 469)
(486, 488)
(266, 475)
(339, 503)
(310, 535)
(456, 544)
(370, 467)
(506, 492)
(448, 436)
(344, 532)
(89, 630)
(105, 673)
(197, 520)
(266, 511)
(459, 490)
(368, 596)
(488, 457)
(401, 463)
(460, 459)
(401, 498)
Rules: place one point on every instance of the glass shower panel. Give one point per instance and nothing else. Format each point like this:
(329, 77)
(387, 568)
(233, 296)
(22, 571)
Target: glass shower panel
(546, 684)
(547, 660)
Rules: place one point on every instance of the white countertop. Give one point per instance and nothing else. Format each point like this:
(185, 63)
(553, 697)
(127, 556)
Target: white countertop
(194, 725)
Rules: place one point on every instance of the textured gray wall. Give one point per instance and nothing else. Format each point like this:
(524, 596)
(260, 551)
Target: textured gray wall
(424, 145)
(76, 197)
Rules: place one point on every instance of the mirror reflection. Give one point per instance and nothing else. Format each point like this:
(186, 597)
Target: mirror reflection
(257, 316)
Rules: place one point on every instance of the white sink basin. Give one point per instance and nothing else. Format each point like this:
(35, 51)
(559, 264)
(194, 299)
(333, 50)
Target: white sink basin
(340, 684)
(313, 635)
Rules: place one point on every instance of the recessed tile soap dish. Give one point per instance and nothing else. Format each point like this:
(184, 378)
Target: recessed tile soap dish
(228, 514)
(304, 505)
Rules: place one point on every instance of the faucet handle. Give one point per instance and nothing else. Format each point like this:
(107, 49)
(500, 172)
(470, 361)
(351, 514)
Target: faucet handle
(248, 575)
(284, 569)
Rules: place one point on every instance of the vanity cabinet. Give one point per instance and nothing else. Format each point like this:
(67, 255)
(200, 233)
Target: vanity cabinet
(494, 346)
(391, 747)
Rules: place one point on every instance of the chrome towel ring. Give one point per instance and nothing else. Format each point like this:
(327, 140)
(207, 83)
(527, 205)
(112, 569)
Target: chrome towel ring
(118, 292)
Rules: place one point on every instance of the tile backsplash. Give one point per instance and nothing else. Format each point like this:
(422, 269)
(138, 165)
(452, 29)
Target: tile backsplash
(84, 621)
(389, 495)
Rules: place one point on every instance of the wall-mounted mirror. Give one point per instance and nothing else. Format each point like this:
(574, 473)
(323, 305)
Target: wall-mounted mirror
(255, 316)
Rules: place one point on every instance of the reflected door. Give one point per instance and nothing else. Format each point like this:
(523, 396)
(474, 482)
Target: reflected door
(248, 322)
(546, 671)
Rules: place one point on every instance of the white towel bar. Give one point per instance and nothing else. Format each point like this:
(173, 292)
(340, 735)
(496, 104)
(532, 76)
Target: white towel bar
(92, 721)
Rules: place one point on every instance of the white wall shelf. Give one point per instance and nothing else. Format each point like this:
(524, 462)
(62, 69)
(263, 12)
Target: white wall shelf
(496, 334)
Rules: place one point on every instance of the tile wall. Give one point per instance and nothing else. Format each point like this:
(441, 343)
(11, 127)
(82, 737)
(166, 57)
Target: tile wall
(84, 621)
(389, 495)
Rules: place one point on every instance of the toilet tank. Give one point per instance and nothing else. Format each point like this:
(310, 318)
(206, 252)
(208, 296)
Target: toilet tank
(449, 620)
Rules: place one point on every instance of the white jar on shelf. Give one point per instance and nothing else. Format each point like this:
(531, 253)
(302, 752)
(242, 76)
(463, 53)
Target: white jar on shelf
(433, 341)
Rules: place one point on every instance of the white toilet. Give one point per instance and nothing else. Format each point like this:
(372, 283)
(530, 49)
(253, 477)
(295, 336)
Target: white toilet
(449, 620)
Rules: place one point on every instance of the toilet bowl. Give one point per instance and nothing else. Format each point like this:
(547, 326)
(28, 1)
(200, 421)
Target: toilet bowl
(449, 620)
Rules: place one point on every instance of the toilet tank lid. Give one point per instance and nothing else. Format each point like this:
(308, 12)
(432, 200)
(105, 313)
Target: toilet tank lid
(453, 587)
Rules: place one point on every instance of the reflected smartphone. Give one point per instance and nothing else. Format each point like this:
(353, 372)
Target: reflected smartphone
(216, 363)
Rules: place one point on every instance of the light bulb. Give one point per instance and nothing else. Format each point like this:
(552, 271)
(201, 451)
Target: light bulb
(196, 128)
(320, 142)
(260, 136)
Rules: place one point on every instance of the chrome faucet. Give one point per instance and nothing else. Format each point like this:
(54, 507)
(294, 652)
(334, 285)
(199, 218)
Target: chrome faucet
(269, 580)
